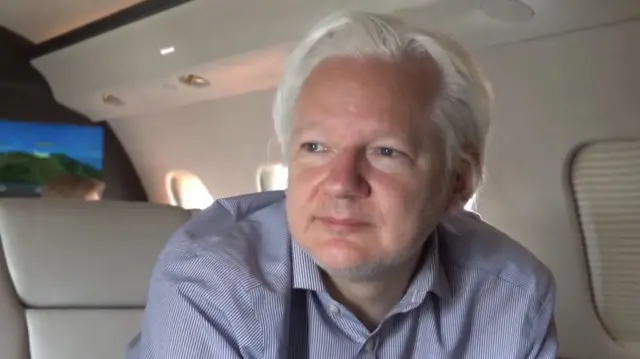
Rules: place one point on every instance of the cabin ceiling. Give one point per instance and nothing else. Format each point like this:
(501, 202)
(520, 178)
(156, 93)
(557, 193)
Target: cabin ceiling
(240, 45)
(41, 20)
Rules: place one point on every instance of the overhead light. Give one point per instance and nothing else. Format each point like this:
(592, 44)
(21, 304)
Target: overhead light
(110, 99)
(167, 50)
(194, 80)
(507, 10)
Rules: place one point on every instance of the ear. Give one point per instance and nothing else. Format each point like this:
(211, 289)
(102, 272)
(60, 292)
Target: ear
(461, 191)
(462, 186)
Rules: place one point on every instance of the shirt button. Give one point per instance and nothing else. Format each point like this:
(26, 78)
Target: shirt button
(333, 309)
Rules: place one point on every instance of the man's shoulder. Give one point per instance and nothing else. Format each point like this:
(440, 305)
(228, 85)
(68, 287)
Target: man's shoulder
(241, 240)
(475, 245)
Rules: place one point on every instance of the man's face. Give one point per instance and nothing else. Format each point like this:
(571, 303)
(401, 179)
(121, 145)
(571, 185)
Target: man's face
(367, 172)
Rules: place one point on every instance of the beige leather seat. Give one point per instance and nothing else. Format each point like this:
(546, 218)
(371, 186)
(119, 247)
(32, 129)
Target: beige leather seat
(74, 274)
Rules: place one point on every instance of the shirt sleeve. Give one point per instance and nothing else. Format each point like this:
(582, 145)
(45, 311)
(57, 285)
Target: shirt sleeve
(182, 318)
(544, 338)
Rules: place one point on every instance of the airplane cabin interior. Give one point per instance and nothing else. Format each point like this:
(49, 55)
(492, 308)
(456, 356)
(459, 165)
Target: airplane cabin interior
(168, 103)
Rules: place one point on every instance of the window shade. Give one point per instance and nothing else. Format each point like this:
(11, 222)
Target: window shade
(606, 184)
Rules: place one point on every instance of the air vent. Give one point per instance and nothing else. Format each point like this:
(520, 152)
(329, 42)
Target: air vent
(511, 11)
(112, 100)
(194, 81)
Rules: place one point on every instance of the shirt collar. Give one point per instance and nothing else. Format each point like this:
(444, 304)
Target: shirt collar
(431, 276)
(306, 274)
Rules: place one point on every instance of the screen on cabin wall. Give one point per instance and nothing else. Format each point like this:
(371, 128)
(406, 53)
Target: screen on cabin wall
(32, 154)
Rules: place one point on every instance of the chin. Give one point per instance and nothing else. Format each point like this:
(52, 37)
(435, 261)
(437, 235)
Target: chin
(338, 262)
(345, 261)
(360, 271)
(340, 252)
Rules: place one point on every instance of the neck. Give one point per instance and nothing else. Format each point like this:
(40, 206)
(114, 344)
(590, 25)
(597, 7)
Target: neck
(371, 300)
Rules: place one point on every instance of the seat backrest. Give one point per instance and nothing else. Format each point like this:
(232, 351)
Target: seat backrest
(74, 274)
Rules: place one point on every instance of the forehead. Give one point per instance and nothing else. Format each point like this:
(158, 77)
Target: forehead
(369, 91)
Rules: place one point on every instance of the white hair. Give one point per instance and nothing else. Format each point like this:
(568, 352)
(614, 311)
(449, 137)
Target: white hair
(462, 110)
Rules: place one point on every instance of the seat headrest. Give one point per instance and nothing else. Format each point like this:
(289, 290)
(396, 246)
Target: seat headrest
(67, 253)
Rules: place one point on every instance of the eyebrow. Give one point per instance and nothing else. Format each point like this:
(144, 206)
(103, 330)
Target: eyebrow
(309, 127)
(315, 128)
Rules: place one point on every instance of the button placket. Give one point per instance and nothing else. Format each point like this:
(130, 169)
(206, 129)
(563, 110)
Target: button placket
(370, 346)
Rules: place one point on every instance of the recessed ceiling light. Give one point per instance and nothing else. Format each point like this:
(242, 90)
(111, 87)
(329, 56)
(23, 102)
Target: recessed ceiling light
(167, 50)
(194, 80)
(507, 10)
(110, 99)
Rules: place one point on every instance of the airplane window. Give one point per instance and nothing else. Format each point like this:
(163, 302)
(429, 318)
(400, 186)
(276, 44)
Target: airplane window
(272, 177)
(186, 190)
(471, 204)
(605, 177)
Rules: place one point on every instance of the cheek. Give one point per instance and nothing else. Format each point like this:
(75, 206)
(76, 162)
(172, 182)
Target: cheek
(299, 195)
(403, 201)
(395, 199)
(303, 180)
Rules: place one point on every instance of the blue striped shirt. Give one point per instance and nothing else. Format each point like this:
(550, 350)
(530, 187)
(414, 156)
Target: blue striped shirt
(232, 284)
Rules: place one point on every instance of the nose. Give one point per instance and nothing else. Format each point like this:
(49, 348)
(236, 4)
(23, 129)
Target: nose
(345, 177)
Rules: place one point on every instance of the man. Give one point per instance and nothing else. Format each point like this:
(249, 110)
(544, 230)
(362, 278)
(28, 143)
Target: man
(368, 254)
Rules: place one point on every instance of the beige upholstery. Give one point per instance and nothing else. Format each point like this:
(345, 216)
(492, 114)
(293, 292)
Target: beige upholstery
(74, 274)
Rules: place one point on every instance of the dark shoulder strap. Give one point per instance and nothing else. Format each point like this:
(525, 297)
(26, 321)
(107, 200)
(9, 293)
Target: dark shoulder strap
(298, 326)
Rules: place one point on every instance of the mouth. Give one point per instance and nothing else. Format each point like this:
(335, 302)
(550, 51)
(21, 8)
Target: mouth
(343, 224)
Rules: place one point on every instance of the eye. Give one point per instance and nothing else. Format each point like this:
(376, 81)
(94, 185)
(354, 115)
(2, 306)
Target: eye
(312, 147)
(388, 152)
